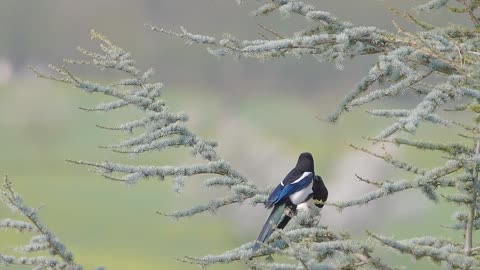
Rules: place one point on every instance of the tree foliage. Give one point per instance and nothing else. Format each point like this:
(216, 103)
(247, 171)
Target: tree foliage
(439, 64)
(42, 240)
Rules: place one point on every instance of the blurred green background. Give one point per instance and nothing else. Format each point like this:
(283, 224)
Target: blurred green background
(262, 114)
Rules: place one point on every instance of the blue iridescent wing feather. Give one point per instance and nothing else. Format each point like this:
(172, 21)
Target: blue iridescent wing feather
(294, 187)
(274, 195)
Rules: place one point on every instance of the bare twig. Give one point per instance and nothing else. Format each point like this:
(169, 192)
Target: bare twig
(473, 206)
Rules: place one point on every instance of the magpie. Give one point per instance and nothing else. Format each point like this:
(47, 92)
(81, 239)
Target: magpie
(300, 185)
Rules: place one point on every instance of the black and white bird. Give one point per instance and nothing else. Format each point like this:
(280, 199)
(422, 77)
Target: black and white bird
(300, 185)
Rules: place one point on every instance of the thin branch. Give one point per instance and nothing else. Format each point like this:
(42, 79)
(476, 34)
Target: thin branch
(273, 32)
(473, 205)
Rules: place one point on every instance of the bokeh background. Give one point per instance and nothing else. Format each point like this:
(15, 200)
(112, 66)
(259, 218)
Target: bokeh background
(263, 114)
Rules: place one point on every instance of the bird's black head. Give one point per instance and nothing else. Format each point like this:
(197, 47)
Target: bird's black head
(305, 163)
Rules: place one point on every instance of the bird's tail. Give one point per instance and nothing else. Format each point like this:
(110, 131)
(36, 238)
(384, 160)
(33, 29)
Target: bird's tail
(270, 224)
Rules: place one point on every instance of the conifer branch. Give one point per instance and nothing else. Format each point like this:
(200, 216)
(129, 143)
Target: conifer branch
(436, 177)
(44, 240)
(436, 249)
(158, 128)
(454, 149)
(389, 159)
(407, 59)
(437, 64)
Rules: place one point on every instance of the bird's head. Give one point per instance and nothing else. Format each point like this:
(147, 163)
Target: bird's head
(305, 162)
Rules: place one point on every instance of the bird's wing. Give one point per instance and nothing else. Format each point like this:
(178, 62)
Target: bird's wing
(320, 191)
(298, 184)
(274, 195)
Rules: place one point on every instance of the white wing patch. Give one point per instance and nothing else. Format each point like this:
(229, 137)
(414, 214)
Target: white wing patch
(305, 174)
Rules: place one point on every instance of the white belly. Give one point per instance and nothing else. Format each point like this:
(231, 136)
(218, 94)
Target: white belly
(301, 195)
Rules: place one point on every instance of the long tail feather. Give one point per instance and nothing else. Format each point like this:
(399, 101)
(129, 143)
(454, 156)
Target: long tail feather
(272, 221)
